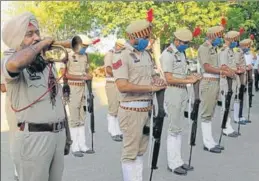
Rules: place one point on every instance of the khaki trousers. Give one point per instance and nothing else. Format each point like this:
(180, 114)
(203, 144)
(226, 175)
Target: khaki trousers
(134, 141)
(76, 106)
(39, 156)
(113, 98)
(209, 91)
(175, 103)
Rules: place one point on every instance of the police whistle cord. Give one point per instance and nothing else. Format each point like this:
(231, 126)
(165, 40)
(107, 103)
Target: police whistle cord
(157, 130)
(90, 102)
(194, 118)
(43, 95)
(227, 106)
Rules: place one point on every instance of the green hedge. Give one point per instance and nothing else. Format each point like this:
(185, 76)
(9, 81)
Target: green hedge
(96, 60)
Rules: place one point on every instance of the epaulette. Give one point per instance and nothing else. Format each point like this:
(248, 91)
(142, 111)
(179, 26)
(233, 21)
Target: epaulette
(170, 50)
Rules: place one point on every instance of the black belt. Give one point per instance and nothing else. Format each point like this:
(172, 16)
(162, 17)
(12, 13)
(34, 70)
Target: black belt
(49, 127)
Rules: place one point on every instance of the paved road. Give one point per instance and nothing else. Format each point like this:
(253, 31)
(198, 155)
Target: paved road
(239, 162)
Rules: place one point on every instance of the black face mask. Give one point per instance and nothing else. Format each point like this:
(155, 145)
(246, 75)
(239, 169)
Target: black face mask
(38, 65)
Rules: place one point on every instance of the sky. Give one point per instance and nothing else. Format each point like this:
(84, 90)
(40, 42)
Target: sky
(103, 46)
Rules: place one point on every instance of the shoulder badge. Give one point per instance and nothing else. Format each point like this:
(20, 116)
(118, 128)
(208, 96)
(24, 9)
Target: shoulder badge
(117, 64)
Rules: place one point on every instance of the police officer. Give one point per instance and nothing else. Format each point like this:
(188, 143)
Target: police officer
(37, 101)
(11, 120)
(227, 57)
(112, 92)
(174, 66)
(209, 86)
(135, 78)
(77, 73)
(240, 52)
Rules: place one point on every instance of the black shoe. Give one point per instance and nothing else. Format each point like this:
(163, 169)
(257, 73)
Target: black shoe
(78, 154)
(16, 178)
(121, 136)
(243, 122)
(248, 121)
(232, 135)
(116, 138)
(178, 170)
(212, 150)
(220, 147)
(88, 151)
(187, 167)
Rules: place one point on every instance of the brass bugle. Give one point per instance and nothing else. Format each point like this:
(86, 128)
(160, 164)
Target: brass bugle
(55, 56)
(75, 44)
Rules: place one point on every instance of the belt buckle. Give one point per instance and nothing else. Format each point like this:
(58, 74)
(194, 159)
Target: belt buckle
(57, 127)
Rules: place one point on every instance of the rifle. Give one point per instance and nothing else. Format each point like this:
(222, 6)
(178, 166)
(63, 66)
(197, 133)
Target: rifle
(227, 105)
(68, 135)
(90, 103)
(157, 129)
(194, 117)
(250, 91)
(241, 99)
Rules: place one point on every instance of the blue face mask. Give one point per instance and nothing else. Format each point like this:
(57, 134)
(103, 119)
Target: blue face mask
(142, 44)
(182, 48)
(245, 50)
(217, 42)
(233, 45)
(82, 50)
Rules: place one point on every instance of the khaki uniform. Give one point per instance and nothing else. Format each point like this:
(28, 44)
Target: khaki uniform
(111, 89)
(176, 96)
(77, 65)
(240, 61)
(209, 90)
(113, 97)
(227, 56)
(37, 155)
(137, 69)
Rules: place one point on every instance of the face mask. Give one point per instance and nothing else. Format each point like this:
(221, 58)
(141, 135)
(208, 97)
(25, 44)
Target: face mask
(217, 42)
(182, 48)
(82, 50)
(245, 50)
(142, 44)
(233, 45)
(38, 65)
